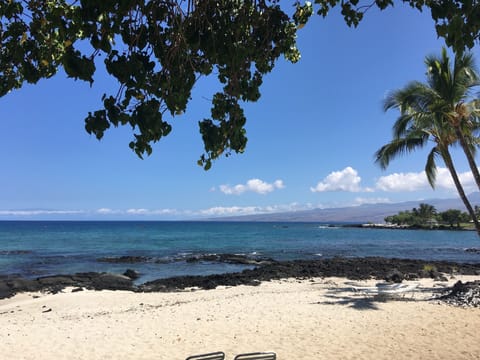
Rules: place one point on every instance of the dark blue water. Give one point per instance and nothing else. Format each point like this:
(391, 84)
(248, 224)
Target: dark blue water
(43, 248)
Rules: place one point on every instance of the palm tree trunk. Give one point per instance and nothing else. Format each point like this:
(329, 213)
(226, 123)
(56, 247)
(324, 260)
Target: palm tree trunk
(468, 154)
(449, 163)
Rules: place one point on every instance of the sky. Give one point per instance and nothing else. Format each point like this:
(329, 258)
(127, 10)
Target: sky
(311, 138)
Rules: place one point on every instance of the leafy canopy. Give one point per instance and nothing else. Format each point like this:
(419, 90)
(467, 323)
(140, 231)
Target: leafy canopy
(457, 21)
(157, 50)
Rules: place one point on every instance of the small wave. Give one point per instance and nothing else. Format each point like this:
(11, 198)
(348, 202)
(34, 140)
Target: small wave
(125, 259)
(319, 254)
(185, 254)
(328, 227)
(15, 252)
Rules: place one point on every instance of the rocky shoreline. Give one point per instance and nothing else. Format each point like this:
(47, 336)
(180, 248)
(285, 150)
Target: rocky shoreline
(394, 270)
(463, 294)
(237, 259)
(407, 227)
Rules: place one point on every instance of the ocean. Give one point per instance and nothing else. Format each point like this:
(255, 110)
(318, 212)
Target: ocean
(40, 248)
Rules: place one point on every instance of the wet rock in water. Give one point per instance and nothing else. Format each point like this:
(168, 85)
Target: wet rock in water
(473, 250)
(15, 252)
(124, 259)
(230, 259)
(463, 294)
(132, 274)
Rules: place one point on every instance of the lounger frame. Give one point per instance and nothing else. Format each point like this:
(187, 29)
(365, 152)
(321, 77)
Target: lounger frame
(256, 356)
(219, 355)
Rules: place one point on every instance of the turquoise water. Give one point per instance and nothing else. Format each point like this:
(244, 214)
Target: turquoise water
(43, 248)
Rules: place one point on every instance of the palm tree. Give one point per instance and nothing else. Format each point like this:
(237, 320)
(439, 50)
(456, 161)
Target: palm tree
(425, 115)
(425, 213)
(448, 97)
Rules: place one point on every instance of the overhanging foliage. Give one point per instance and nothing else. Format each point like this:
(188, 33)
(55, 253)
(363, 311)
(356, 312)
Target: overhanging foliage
(157, 50)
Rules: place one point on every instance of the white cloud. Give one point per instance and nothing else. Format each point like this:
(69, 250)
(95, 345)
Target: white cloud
(231, 210)
(251, 210)
(137, 211)
(343, 180)
(152, 212)
(398, 182)
(39, 212)
(287, 207)
(363, 201)
(444, 180)
(253, 185)
(106, 211)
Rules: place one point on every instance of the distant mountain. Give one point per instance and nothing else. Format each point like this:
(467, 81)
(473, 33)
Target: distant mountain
(374, 213)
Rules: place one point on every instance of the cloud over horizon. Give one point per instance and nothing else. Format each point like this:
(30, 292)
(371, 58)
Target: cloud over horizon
(152, 212)
(253, 185)
(37, 212)
(417, 181)
(252, 210)
(364, 201)
(344, 180)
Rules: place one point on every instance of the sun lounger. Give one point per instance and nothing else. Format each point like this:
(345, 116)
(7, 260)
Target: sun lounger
(219, 355)
(256, 356)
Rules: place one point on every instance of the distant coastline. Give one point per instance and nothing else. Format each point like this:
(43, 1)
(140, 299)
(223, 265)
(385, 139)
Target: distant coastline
(407, 227)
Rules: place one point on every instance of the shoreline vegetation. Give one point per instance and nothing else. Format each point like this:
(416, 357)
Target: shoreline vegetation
(426, 217)
(465, 227)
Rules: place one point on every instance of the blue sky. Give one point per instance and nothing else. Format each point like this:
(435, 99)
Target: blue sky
(312, 136)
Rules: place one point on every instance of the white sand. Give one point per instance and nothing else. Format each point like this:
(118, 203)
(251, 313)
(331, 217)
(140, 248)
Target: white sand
(317, 319)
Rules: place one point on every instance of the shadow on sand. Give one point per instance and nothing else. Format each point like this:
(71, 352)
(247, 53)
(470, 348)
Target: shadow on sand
(358, 300)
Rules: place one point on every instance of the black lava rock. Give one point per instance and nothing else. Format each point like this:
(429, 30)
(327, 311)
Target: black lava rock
(132, 274)
(351, 268)
(394, 276)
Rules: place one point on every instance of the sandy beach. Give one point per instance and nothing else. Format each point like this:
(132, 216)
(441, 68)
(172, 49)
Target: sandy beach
(307, 319)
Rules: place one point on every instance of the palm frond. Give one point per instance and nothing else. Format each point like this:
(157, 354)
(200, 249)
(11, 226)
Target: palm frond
(402, 125)
(465, 76)
(439, 77)
(471, 131)
(396, 148)
(431, 167)
(416, 97)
